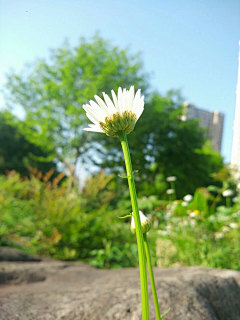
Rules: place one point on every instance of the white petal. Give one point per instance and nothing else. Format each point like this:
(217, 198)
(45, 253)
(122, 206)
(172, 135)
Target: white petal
(120, 99)
(116, 102)
(93, 128)
(140, 108)
(119, 92)
(98, 111)
(132, 223)
(124, 100)
(139, 112)
(109, 103)
(102, 104)
(96, 114)
(136, 101)
(95, 106)
(138, 94)
(131, 98)
(92, 119)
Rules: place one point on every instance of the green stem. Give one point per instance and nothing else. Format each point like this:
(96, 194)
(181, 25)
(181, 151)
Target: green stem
(173, 187)
(150, 270)
(228, 202)
(139, 234)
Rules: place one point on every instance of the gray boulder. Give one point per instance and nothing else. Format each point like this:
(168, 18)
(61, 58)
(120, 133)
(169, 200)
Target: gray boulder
(11, 254)
(57, 290)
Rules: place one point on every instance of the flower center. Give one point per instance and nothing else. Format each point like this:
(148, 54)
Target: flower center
(117, 123)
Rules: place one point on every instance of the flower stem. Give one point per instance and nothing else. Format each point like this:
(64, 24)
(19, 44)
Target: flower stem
(228, 202)
(139, 234)
(150, 270)
(173, 187)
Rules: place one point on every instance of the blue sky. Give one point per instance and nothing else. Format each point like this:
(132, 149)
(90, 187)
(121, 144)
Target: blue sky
(185, 44)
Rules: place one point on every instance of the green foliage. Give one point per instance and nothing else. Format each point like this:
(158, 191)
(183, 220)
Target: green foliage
(44, 218)
(52, 93)
(17, 153)
(162, 145)
(197, 234)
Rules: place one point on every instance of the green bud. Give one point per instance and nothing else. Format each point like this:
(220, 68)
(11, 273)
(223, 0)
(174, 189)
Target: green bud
(145, 223)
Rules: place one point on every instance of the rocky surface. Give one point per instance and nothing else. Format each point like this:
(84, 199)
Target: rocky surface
(57, 290)
(11, 254)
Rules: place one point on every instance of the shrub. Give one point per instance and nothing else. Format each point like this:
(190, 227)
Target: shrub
(42, 217)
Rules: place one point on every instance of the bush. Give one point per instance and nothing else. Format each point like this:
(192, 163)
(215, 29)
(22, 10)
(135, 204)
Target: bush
(195, 234)
(42, 217)
(49, 218)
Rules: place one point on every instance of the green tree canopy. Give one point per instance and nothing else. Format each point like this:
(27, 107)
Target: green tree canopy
(163, 145)
(52, 92)
(17, 153)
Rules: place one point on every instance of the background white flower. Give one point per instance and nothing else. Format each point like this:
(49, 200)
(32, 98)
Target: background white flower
(235, 199)
(162, 232)
(236, 214)
(228, 193)
(233, 225)
(184, 203)
(193, 223)
(170, 191)
(120, 114)
(171, 179)
(192, 214)
(225, 229)
(188, 198)
(219, 235)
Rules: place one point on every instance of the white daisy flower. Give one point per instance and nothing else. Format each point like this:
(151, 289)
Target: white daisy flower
(228, 193)
(219, 235)
(193, 223)
(121, 114)
(225, 229)
(184, 204)
(188, 198)
(171, 179)
(162, 232)
(235, 199)
(236, 214)
(145, 223)
(233, 225)
(192, 214)
(170, 191)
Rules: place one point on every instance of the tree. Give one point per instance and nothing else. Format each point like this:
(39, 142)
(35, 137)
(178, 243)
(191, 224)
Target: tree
(163, 145)
(53, 91)
(16, 153)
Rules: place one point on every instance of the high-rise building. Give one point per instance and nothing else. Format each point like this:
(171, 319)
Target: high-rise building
(211, 121)
(235, 158)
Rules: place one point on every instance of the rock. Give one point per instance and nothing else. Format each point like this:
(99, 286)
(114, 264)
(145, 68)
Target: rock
(11, 254)
(77, 291)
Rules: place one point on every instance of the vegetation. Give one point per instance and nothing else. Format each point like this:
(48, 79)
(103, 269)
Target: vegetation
(44, 217)
(163, 145)
(16, 152)
(52, 93)
(43, 212)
